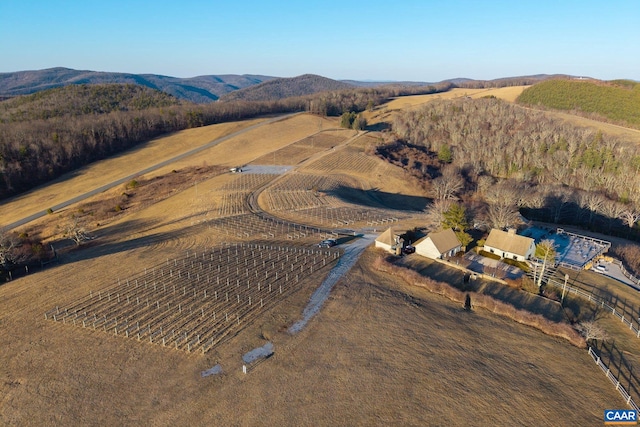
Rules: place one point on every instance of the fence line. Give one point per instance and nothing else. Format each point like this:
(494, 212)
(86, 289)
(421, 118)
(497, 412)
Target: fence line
(599, 301)
(613, 379)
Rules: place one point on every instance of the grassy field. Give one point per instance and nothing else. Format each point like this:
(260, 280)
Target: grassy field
(380, 352)
(383, 113)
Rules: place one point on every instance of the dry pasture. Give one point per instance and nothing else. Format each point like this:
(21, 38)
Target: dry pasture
(383, 113)
(379, 353)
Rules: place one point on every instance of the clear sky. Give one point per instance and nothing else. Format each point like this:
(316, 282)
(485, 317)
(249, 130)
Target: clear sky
(423, 40)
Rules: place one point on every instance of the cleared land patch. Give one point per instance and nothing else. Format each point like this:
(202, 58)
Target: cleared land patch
(384, 112)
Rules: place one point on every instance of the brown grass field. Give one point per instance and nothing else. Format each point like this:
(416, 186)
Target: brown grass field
(380, 352)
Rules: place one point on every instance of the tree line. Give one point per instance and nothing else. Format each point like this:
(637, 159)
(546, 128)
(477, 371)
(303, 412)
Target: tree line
(78, 100)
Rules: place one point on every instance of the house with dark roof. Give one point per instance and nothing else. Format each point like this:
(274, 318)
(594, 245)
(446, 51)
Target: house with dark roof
(440, 245)
(508, 244)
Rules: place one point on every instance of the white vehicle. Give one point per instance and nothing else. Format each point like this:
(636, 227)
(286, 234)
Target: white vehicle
(601, 267)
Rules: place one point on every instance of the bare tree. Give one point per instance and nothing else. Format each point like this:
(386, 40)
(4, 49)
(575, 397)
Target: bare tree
(76, 231)
(505, 193)
(591, 201)
(630, 215)
(545, 251)
(447, 186)
(8, 245)
(592, 331)
(612, 210)
(435, 213)
(503, 216)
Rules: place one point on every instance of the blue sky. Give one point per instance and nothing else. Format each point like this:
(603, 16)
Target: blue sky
(371, 40)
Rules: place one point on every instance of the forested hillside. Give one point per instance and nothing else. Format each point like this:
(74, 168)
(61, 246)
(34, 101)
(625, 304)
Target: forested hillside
(306, 84)
(617, 101)
(78, 100)
(501, 158)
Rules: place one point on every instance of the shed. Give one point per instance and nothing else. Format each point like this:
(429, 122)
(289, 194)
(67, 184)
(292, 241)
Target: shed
(390, 241)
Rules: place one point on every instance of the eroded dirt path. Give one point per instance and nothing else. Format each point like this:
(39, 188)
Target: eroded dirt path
(351, 254)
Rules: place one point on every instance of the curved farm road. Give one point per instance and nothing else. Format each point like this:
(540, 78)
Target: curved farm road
(127, 178)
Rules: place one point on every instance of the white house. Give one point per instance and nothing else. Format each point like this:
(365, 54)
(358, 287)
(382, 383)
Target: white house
(442, 244)
(508, 244)
(390, 242)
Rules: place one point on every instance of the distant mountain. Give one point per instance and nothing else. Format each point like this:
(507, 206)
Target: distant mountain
(82, 99)
(201, 89)
(275, 89)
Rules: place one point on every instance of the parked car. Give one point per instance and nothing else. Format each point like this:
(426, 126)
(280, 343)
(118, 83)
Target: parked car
(409, 249)
(327, 243)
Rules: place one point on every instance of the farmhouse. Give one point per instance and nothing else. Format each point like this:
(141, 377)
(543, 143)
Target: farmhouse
(390, 242)
(442, 244)
(508, 244)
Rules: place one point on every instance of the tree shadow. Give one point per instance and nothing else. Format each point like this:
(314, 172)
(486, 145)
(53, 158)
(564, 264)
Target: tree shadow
(375, 198)
(378, 127)
(109, 241)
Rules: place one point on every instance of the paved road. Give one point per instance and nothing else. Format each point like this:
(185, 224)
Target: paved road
(128, 178)
(613, 270)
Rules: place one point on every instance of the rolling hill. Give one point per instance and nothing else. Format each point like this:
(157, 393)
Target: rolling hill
(617, 101)
(305, 84)
(200, 89)
(78, 100)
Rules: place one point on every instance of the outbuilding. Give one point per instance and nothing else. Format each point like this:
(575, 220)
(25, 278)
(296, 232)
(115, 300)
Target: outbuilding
(390, 242)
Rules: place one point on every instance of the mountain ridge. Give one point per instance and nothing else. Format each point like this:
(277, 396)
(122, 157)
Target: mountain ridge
(198, 89)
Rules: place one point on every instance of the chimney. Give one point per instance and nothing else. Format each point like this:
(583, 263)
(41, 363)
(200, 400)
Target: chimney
(511, 231)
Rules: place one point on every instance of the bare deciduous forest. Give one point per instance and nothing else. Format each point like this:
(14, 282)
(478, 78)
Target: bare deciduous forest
(502, 159)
